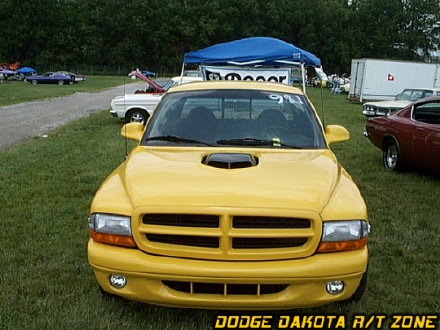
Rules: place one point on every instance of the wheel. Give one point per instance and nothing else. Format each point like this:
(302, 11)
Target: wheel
(34, 82)
(136, 116)
(392, 159)
(60, 82)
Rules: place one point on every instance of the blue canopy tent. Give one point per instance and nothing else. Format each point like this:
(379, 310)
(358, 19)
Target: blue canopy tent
(254, 51)
(26, 70)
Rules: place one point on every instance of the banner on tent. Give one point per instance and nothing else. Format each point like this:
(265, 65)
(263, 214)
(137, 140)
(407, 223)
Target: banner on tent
(281, 75)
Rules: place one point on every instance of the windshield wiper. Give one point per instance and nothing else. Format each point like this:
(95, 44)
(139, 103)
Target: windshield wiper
(256, 142)
(173, 138)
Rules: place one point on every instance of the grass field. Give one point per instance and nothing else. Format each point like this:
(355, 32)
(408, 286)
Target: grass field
(14, 91)
(47, 185)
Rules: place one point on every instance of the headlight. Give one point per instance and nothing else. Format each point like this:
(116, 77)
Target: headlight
(344, 235)
(110, 224)
(111, 229)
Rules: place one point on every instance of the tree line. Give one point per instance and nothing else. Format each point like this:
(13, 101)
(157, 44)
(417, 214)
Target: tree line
(154, 35)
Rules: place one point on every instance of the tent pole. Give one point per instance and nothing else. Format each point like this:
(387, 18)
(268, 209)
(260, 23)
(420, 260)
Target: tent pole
(303, 76)
(181, 73)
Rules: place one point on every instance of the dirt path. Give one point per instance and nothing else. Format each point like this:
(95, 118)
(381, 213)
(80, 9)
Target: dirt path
(20, 122)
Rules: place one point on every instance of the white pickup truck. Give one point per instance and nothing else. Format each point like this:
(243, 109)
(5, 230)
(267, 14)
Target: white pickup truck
(139, 106)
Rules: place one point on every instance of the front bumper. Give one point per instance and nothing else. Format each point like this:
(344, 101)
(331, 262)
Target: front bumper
(303, 280)
(369, 113)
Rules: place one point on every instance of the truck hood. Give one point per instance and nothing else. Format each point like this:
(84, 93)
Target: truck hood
(394, 104)
(302, 179)
(152, 83)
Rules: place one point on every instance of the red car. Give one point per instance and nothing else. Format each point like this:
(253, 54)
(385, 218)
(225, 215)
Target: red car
(409, 136)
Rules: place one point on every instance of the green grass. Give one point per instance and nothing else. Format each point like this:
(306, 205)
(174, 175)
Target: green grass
(47, 185)
(14, 91)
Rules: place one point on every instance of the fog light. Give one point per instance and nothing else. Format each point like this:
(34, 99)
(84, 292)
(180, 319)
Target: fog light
(335, 287)
(118, 281)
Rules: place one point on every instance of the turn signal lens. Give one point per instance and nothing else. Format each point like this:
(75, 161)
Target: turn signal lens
(127, 241)
(111, 229)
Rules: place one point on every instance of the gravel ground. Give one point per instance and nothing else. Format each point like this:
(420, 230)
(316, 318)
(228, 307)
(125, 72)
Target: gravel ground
(23, 121)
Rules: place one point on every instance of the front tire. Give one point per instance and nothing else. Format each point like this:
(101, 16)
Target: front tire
(392, 160)
(60, 82)
(136, 116)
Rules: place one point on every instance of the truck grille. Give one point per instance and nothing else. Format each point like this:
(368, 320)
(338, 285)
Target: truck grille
(225, 289)
(226, 236)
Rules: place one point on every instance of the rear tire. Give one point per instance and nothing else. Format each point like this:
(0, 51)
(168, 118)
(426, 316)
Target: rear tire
(60, 82)
(34, 82)
(392, 160)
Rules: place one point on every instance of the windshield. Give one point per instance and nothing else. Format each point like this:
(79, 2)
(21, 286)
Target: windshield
(222, 117)
(414, 94)
(167, 84)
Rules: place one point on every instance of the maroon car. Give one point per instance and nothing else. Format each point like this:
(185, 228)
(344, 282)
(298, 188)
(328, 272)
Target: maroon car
(409, 136)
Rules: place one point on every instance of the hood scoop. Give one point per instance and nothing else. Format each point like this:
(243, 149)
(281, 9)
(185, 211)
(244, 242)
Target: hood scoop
(230, 160)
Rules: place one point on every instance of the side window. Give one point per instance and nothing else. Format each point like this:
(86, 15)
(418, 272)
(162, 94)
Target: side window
(405, 95)
(416, 95)
(427, 94)
(427, 113)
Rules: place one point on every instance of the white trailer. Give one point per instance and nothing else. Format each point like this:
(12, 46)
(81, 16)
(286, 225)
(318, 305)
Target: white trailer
(376, 79)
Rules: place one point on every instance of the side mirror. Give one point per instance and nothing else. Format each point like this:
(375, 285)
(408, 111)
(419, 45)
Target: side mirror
(336, 133)
(133, 131)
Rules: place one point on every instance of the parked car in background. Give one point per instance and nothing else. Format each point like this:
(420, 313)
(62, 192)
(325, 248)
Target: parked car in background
(139, 106)
(73, 76)
(25, 71)
(409, 136)
(345, 88)
(256, 211)
(50, 78)
(404, 98)
(7, 74)
(148, 73)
